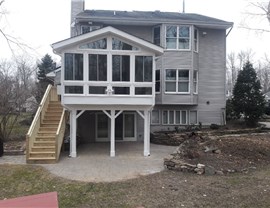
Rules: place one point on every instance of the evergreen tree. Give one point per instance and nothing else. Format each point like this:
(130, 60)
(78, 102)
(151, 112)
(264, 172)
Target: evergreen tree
(247, 95)
(47, 65)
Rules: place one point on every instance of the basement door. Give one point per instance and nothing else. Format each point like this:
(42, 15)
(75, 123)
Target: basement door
(125, 127)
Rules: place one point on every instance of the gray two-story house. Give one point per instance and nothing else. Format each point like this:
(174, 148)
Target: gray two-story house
(126, 73)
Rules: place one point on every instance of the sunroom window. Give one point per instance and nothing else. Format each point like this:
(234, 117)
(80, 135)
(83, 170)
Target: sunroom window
(73, 66)
(143, 68)
(97, 67)
(121, 68)
(178, 37)
(98, 44)
(120, 45)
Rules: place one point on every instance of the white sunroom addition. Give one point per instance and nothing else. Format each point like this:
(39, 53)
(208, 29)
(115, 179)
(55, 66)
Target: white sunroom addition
(110, 71)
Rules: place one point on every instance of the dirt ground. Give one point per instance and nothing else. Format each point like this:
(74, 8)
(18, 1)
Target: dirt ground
(233, 153)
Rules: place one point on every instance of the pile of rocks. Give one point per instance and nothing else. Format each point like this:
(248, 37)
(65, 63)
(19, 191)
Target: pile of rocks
(190, 150)
(177, 164)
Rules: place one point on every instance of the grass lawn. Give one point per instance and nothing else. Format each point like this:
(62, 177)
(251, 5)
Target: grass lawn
(165, 189)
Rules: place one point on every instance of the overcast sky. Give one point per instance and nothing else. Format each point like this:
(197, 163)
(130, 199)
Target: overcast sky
(39, 23)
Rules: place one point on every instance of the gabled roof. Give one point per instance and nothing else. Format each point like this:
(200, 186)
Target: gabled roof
(59, 46)
(152, 17)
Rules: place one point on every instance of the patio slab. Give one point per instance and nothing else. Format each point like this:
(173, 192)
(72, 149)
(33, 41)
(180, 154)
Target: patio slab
(93, 163)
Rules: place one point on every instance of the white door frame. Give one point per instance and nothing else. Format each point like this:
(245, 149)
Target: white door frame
(135, 127)
(107, 139)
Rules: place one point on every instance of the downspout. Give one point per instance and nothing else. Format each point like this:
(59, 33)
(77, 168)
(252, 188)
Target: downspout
(229, 31)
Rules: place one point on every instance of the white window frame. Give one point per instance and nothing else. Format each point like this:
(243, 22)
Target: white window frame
(196, 117)
(177, 38)
(174, 117)
(177, 81)
(159, 26)
(195, 86)
(158, 111)
(196, 40)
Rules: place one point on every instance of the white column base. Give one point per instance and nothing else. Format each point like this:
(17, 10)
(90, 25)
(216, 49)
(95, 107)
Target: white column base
(112, 154)
(73, 154)
(146, 154)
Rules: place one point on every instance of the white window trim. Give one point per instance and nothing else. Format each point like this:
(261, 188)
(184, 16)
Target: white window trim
(176, 92)
(159, 116)
(197, 43)
(196, 118)
(177, 37)
(160, 29)
(159, 81)
(197, 82)
(174, 113)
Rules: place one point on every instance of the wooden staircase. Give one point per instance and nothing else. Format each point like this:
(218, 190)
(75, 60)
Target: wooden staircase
(45, 136)
(44, 146)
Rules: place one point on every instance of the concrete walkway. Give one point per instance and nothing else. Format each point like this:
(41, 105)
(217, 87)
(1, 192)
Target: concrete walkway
(93, 163)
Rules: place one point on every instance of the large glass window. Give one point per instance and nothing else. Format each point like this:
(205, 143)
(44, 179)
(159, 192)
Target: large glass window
(73, 66)
(120, 45)
(177, 80)
(121, 68)
(143, 68)
(178, 37)
(157, 35)
(97, 67)
(98, 44)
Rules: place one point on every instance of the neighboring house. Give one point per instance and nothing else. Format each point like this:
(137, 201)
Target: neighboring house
(124, 73)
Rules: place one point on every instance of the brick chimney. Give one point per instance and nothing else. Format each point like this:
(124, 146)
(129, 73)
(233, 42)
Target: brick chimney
(77, 6)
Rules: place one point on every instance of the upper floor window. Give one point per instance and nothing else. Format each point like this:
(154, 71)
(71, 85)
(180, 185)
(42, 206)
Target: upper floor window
(120, 68)
(177, 80)
(98, 44)
(73, 66)
(196, 42)
(89, 28)
(97, 67)
(156, 35)
(158, 81)
(120, 45)
(178, 37)
(143, 68)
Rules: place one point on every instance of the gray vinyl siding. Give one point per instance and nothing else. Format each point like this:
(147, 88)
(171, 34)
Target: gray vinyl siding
(212, 57)
(143, 32)
(177, 59)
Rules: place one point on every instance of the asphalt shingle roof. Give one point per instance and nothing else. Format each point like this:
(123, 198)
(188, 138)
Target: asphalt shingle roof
(152, 16)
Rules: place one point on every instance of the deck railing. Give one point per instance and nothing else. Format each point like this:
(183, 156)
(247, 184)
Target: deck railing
(60, 134)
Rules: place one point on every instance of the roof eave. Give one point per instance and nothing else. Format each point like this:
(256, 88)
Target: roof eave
(59, 46)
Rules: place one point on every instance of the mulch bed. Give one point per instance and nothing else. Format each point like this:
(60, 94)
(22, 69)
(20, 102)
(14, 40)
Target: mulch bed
(14, 148)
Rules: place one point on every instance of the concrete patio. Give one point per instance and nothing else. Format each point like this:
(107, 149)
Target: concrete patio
(94, 164)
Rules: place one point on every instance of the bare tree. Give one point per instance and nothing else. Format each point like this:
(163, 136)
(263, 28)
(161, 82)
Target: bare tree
(16, 82)
(14, 43)
(260, 12)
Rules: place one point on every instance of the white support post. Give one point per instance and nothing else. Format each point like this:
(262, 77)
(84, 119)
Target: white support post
(73, 133)
(112, 152)
(146, 151)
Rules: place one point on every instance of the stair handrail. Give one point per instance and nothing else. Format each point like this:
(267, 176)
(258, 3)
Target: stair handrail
(33, 130)
(60, 133)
